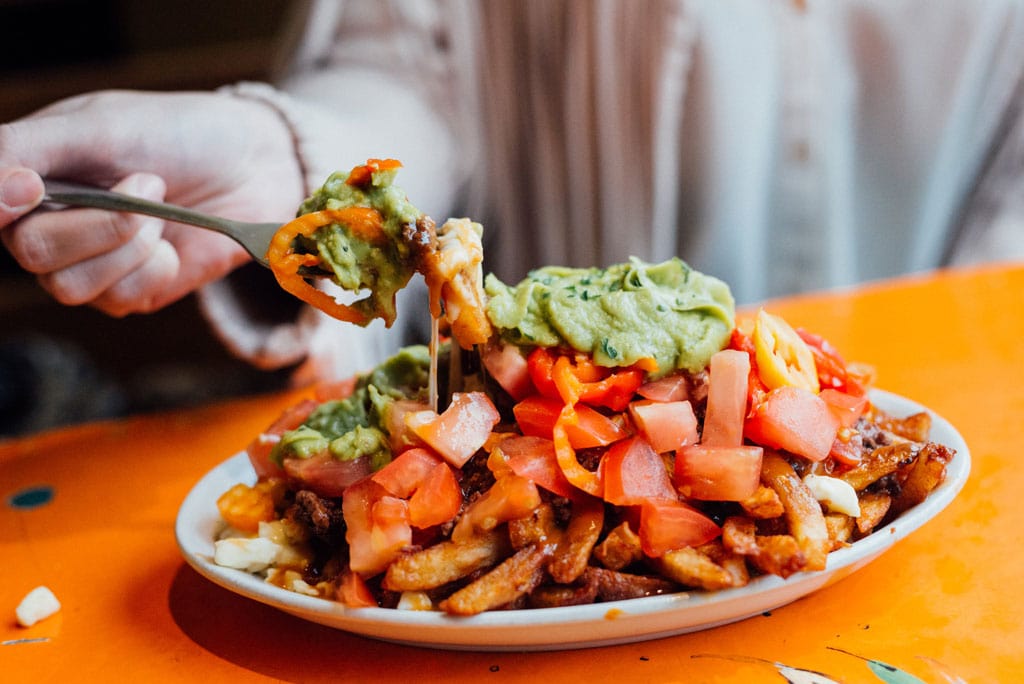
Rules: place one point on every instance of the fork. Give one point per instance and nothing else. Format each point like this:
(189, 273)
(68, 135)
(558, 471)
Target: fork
(254, 237)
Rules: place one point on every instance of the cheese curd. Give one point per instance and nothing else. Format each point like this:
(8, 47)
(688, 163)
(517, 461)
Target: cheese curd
(837, 495)
(38, 604)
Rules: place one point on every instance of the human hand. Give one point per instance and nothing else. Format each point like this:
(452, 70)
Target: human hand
(223, 155)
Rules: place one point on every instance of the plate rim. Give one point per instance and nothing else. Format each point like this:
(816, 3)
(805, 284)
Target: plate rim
(545, 628)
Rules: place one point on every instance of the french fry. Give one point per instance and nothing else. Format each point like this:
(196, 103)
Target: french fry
(556, 595)
(925, 475)
(777, 554)
(764, 503)
(572, 555)
(732, 563)
(915, 427)
(803, 512)
(739, 535)
(620, 548)
(516, 576)
(840, 529)
(446, 562)
(691, 568)
(880, 462)
(538, 527)
(613, 585)
(781, 554)
(873, 508)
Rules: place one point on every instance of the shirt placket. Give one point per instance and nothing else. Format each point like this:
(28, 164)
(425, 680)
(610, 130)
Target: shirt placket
(800, 199)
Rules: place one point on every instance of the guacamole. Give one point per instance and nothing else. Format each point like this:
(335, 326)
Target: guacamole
(354, 426)
(620, 314)
(380, 267)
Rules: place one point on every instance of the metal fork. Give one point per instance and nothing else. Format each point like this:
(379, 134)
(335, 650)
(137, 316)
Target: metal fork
(254, 237)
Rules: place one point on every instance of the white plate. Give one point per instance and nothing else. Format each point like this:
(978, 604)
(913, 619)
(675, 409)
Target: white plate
(599, 624)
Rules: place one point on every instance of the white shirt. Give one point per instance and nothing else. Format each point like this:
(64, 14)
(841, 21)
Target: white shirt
(781, 146)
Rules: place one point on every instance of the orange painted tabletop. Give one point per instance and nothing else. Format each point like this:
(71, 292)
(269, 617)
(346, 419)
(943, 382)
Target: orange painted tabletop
(942, 604)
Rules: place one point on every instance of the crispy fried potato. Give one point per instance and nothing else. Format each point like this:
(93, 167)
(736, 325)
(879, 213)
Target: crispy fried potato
(513, 578)
(879, 463)
(691, 568)
(739, 535)
(915, 427)
(778, 554)
(764, 503)
(613, 585)
(620, 548)
(572, 555)
(733, 563)
(557, 595)
(803, 512)
(781, 554)
(446, 562)
(927, 472)
(537, 528)
(840, 529)
(873, 508)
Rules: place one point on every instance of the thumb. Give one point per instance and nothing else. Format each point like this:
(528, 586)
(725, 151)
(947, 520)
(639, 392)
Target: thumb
(21, 191)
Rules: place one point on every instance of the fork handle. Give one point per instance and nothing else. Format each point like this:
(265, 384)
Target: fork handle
(62, 192)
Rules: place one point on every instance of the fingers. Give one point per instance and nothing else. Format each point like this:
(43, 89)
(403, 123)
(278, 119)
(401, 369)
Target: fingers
(55, 240)
(21, 190)
(116, 261)
(148, 287)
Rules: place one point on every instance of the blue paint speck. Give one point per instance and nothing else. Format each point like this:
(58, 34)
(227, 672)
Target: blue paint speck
(31, 497)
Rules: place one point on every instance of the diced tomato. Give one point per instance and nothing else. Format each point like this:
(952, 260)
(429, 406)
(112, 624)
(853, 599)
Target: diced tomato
(400, 436)
(669, 524)
(372, 544)
(406, 472)
(437, 500)
(326, 475)
(461, 430)
(427, 482)
(847, 408)
(716, 473)
(260, 448)
(796, 420)
(510, 497)
(391, 531)
(536, 417)
(353, 592)
(848, 447)
(534, 458)
(673, 387)
(727, 398)
(667, 425)
(507, 365)
(756, 389)
(632, 472)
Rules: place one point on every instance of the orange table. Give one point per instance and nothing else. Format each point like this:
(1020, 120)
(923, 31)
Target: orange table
(941, 604)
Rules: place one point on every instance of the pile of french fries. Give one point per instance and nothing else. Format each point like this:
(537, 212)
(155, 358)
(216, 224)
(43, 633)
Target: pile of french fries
(570, 553)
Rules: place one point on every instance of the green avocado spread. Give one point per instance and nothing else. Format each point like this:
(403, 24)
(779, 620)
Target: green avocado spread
(357, 264)
(354, 426)
(620, 314)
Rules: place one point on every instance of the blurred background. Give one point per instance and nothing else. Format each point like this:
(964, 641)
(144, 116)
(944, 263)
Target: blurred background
(62, 365)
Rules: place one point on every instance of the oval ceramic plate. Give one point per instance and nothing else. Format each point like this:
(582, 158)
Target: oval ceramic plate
(598, 624)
